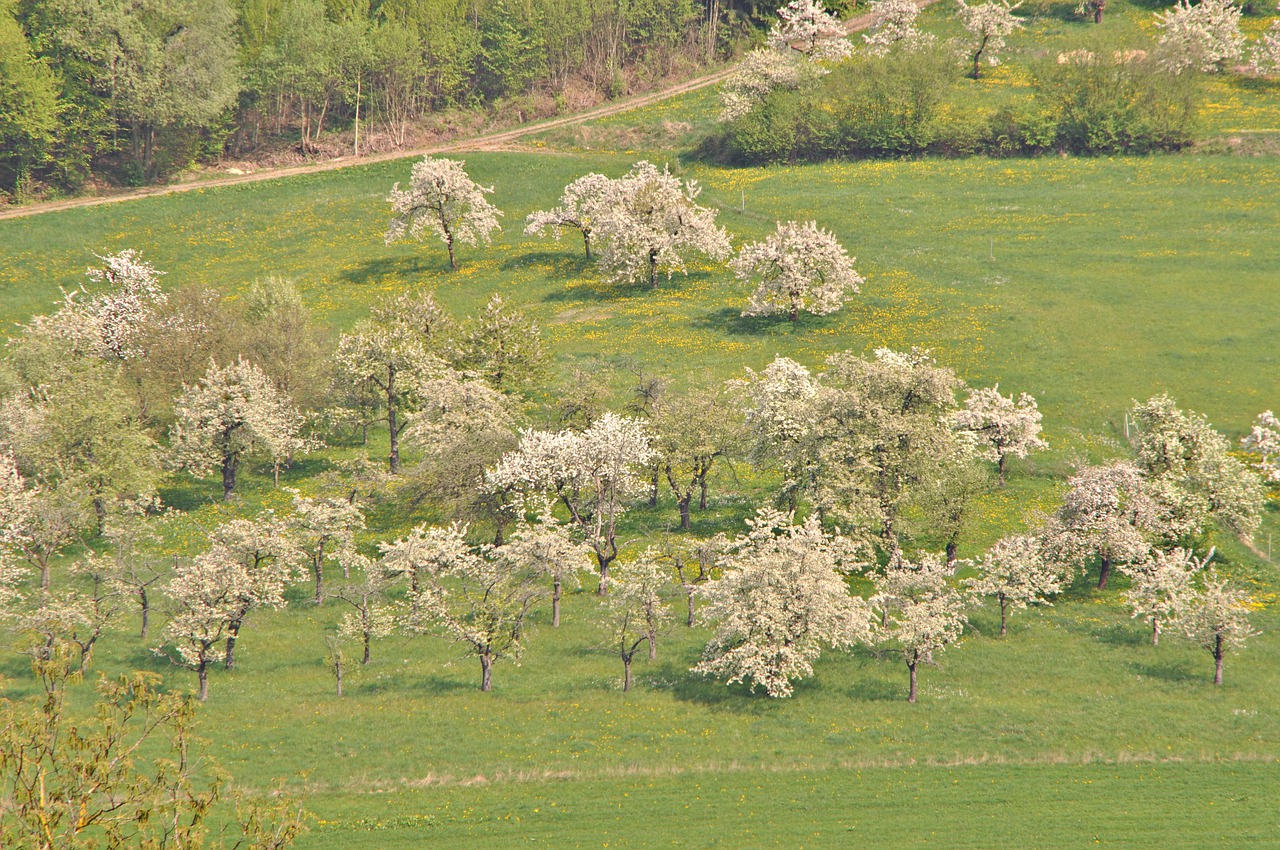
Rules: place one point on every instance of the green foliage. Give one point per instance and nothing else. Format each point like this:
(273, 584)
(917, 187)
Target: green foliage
(28, 105)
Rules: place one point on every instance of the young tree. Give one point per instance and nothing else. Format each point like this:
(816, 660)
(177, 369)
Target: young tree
(594, 473)
(807, 27)
(651, 224)
(473, 595)
(922, 614)
(781, 597)
(133, 568)
(797, 267)
(546, 548)
(1001, 427)
(324, 529)
(1264, 440)
(503, 347)
(1016, 573)
(1160, 587)
(36, 525)
(782, 406)
(122, 311)
(394, 351)
(1203, 37)
(232, 413)
(67, 621)
(283, 340)
(988, 25)
(636, 611)
(1107, 513)
(1216, 618)
(895, 28)
(705, 554)
(583, 202)
(372, 618)
(691, 430)
(442, 199)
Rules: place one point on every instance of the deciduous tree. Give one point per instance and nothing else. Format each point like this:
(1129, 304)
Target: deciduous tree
(807, 27)
(921, 612)
(1203, 37)
(584, 201)
(1216, 618)
(1000, 426)
(1264, 440)
(895, 28)
(636, 610)
(798, 267)
(988, 25)
(444, 200)
(1014, 571)
(1161, 586)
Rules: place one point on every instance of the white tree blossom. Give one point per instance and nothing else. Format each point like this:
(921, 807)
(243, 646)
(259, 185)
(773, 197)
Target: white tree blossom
(807, 27)
(1203, 36)
(921, 613)
(473, 595)
(324, 528)
(1216, 618)
(988, 26)
(1264, 440)
(547, 548)
(583, 202)
(1106, 513)
(780, 599)
(1015, 572)
(593, 472)
(36, 523)
(652, 223)
(1000, 426)
(122, 311)
(781, 404)
(636, 610)
(895, 27)
(372, 617)
(234, 411)
(444, 200)
(760, 72)
(1160, 587)
(798, 267)
(1264, 59)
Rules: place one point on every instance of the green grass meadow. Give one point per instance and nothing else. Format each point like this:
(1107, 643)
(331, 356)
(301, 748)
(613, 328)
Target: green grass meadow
(1086, 282)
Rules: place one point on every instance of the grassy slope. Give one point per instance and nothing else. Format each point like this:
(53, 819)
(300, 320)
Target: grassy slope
(1111, 279)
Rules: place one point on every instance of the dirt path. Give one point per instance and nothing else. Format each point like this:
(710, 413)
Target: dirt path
(483, 142)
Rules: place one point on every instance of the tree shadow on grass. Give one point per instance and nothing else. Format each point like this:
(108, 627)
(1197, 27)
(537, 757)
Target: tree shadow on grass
(188, 494)
(596, 289)
(1065, 12)
(432, 684)
(870, 689)
(1121, 635)
(729, 320)
(687, 686)
(556, 265)
(1168, 671)
(410, 267)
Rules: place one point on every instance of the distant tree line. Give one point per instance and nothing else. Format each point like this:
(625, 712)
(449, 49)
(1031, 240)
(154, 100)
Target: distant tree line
(132, 91)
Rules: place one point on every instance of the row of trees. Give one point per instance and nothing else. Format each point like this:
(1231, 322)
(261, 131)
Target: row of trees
(149, 87)
(636, 227)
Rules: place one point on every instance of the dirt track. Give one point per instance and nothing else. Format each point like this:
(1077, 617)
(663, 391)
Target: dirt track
(486, 141)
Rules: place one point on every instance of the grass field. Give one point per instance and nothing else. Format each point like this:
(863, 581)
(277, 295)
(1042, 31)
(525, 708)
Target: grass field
(1086, 282)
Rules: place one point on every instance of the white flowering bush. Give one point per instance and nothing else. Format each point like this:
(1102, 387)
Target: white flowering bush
(1202, 37)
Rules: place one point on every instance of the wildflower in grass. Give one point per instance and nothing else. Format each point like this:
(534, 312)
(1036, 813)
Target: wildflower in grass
(1216, 617)
(232, 413)
(988, 26)
(805, 26)
(999, 426)
(798, 267)
(444, 200)
(895, 28)
(1159, 587)
(652, 223)
(1202, 37)
(920, 612)
(781, 598)
(1015, 572)
(636, 611)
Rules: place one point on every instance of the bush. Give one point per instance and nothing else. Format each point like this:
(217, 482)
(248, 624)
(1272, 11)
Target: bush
(866, 106)
(1118, 102)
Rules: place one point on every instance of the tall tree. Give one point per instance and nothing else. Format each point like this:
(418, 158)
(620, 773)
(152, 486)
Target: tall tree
(444, 200)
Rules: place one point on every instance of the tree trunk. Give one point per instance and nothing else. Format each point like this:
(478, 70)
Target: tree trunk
(586, 242)
(1097, 13)
(794, 315)
(229, 464)
(145, 602)
(653, 269)
(365, 659)
(1217, 660)
(653, 489)
(203, 673)
(702, 498)
(448, 241)
(356, 146)
(685, 522)
(1003, 460)
(689, 593)
(393, 460)
(234, 632)
(626, 672)
(317, 568)
(952, 545)
(1155, 631)
(604, 562)
(911, 697)
(555, 603)
(486, 672)
(1004, 617)
(44, 574)
(337, 673)
(653, 645)
(1104, 573)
